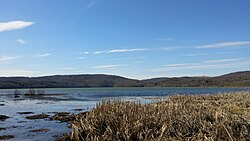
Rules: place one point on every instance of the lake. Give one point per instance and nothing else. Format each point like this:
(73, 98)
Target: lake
(73, 100)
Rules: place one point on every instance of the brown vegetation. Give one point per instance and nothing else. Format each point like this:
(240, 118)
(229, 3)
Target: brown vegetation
(189, 117)
(40, 130)
(6, 137)
(63, 117)
(39, 116)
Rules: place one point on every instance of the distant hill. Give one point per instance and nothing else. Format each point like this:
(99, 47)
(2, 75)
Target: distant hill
(66, 81)
(237, 79)
(241, 79)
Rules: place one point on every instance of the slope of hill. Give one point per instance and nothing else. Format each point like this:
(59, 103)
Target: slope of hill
(237, 79)
(65, 81)
(241, 79)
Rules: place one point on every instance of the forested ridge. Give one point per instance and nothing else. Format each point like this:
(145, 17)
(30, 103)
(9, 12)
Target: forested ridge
(237, 79)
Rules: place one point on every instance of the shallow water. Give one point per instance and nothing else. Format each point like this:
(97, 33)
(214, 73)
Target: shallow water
(68, 99)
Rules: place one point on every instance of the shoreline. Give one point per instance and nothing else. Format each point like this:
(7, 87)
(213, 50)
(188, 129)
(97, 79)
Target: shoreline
(28, 88)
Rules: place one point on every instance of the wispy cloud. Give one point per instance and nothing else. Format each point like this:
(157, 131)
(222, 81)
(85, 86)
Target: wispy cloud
(195, 54)
(14, 25)
(15, 72)
(69, 68)
(224, 60)
(225, 44)
(81, 57)
(136, 50)
(120, 50)
(165, 39)
(126, 50)
(222, 63)
(100, 52)
(21, 41)
(42, 55)
(179, 65)
(88, 6)
(5, 58)
(85, 52)
(110, 66)
(169, 48)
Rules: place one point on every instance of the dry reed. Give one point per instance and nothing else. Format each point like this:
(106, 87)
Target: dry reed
(181, 117)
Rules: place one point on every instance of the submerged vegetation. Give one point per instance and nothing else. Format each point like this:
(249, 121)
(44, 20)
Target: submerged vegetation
(29, 93)
(3, 117)
(33, 92)
(40, 130)
(181, 117)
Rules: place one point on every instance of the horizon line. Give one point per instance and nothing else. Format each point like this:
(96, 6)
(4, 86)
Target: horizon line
(125, 76)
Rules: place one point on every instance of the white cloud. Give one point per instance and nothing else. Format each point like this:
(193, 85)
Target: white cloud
(99, 52)
(225, 44)
(179, 65)
(84, 53)
(224, 60)
(135, 50)
(42, 55)
(126, 50)
(14, 25)
(4, 59)
(109, 66)
(21, 41)
(120, 50)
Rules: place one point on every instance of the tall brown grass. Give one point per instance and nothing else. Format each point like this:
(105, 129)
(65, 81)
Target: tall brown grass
(189, 117)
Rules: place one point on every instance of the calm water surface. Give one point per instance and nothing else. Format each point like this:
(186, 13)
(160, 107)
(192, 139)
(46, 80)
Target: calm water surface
(70, 99)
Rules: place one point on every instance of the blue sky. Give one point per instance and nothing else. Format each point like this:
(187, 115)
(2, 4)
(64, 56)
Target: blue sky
(132, 38)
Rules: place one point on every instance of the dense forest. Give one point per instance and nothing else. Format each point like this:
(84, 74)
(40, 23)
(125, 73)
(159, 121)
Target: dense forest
(241, 79)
